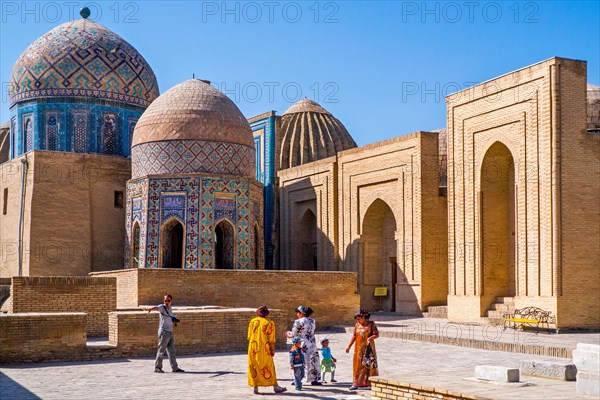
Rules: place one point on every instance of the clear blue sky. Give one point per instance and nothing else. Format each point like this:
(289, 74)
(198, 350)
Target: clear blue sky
(382, 68)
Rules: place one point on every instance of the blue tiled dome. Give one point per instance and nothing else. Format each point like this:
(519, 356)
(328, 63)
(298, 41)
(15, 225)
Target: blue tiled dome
(83, 59)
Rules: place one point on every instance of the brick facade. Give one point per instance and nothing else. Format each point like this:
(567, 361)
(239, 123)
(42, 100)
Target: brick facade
(91, 295)
(71, 224)
(364, 226)
(332, 294)
(523, 201)
(200, 331)
(37, 337)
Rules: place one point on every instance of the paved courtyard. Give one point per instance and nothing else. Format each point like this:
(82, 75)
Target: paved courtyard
(223, 376)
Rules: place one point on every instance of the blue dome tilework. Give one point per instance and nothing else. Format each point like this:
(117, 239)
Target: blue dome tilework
(83, 59)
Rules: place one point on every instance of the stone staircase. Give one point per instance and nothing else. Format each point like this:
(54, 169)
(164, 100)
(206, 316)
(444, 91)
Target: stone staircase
(495, 315)
(436, 312)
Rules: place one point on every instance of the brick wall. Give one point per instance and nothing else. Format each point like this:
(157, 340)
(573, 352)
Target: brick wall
(578, 220)
(36, 337)
(200, 331)
(332, 294)
(95, 296)
(70, 223)
(387, 389)
(546, 259)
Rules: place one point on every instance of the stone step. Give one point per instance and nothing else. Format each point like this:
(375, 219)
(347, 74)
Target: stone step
(438, 309)
(496, 373)
(506, 300)
(492, 321)
(435, 315)
(503, 307)
(495, 314)
(562, 370)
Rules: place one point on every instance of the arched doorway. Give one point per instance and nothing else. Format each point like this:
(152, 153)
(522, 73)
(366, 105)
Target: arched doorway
(172, 244)
(307, 242)
(497, 218)
(256, 263)
(224, 245)
(135, 245)
(379, 267)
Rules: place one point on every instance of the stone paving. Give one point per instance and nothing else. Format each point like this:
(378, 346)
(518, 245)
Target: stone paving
(223, 376)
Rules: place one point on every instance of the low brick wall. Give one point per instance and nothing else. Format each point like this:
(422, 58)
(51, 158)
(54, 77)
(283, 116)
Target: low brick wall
(389, 389)
(332, 294)
(200, 331)
(33, 337)
(95, 296)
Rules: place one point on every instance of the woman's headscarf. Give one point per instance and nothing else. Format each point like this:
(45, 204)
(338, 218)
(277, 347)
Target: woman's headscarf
(306, 311)
(362, 313)
(262, 311)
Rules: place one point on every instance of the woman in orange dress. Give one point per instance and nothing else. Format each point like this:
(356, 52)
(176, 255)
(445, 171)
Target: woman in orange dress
(365, 333)
(261, 349)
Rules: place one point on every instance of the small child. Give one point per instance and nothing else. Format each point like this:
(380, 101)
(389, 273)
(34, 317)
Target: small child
(297, 362)
(328, 361)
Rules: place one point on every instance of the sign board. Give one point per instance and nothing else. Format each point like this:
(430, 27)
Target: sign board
(380, 291)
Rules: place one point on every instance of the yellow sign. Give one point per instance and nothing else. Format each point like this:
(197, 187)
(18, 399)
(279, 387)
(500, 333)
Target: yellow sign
(380, 291)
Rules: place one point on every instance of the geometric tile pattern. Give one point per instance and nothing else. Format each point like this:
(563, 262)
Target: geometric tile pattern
(212, 188)
(197, 201)
(158, 188)
(75, 125)
(191, 156)
(172, 205)
(51, 118)
(83, 59)
(264, 133)
(224, 207)
(136, 211)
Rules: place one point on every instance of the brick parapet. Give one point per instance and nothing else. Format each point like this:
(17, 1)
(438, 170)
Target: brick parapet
(36, 337)
(199, 332)
(95, 296)
(332, 295)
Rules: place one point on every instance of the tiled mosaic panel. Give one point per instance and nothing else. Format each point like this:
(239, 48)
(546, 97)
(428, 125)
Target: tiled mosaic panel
(157, 188)
(135, 211)
(189, 156)
(265, 129)
(225, 207)
(211, 187)
(74, 126)
(200, 194)
(84, 59)
(172, 205)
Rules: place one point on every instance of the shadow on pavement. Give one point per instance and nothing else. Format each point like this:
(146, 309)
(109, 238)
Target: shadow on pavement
(10, 389)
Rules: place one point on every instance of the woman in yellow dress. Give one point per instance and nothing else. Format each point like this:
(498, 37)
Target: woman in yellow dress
(261, 349)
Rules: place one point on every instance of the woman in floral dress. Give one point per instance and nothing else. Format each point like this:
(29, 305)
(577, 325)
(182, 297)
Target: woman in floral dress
(365, 333)
(304, 328)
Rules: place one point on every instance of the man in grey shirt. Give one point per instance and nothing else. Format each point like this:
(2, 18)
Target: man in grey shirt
(166, 340)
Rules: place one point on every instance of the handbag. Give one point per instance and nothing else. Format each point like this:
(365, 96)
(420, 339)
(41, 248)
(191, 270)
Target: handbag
(369, 360)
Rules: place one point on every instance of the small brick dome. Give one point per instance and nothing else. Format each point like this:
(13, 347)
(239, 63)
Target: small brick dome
(192, 128)
(310, 133)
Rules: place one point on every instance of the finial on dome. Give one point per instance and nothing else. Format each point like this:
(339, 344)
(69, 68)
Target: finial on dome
(85, 12)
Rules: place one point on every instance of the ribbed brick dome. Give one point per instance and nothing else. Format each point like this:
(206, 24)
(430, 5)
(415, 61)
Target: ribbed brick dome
(191, 128)
(593, 107)
(311, 133)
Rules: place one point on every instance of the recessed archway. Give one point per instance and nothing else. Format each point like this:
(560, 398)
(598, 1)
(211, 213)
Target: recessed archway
(497, 218)
(135, 245)
(224, 245)
(379, 266)
(307, 242)
(172, 238)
